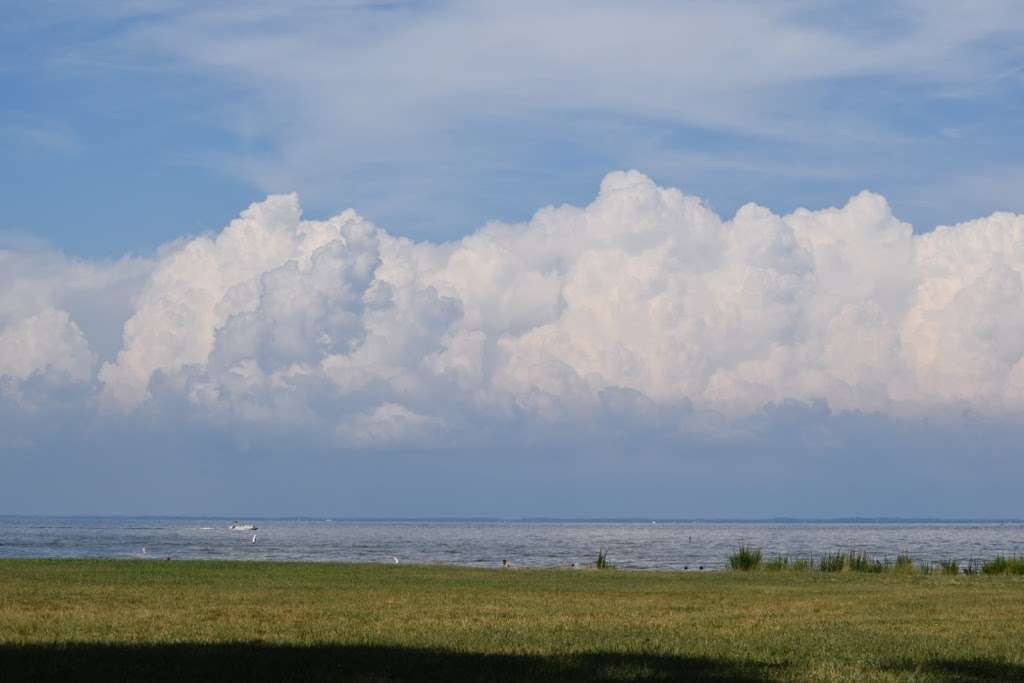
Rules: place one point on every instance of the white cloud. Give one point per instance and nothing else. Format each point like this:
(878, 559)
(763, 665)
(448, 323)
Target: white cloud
(46, 342)
(59, 316)
(645, 293)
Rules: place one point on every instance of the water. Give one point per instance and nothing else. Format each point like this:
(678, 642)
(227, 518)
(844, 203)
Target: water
(638, 545)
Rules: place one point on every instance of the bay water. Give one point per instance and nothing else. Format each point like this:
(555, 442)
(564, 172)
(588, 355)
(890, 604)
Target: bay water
(636, 544)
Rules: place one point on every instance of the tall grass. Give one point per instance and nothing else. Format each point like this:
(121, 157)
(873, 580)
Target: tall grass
(785, 563)
(862, 562)
(832, 562)
(602, 560)
(745, 559)
(1004, 565)
(904, 564)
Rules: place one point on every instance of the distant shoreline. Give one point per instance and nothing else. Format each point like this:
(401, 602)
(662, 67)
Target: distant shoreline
(544, 520)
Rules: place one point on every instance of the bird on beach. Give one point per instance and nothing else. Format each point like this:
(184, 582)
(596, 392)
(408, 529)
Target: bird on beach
(395, 559)
(254, 538)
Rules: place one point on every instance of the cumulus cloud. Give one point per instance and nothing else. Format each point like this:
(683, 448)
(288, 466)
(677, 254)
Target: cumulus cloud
(46, 342)
(644, 305)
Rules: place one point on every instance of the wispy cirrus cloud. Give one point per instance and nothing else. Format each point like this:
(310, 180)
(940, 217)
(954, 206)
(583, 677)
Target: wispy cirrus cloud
(399, 105)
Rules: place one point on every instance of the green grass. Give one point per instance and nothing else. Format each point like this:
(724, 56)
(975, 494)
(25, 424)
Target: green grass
(745, 559)
(832, 562)
(949, 567)
(1004, 565)
(750, 559)
(164, 621)
(862, 562)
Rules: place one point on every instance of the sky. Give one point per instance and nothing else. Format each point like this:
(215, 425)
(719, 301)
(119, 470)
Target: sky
(667, 259)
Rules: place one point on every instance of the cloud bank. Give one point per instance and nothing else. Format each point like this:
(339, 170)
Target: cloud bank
(644, 307)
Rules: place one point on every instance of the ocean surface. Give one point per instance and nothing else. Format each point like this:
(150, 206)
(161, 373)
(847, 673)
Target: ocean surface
(677, 545)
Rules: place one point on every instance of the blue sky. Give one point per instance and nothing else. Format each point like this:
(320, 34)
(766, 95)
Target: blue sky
(149, 120)
(652, 345)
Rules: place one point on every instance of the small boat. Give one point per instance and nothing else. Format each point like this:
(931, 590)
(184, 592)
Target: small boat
(238, 526)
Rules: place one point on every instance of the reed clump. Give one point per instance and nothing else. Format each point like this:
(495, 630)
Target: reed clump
(602, 560)
(862, 562)
(904, 564)
(832, 562)
(1004, 565)
(786, 563)
(745, 559)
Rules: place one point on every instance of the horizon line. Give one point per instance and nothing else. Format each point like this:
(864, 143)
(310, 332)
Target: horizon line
(840, 519)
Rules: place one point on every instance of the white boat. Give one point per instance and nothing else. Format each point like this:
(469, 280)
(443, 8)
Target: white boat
(238, 526)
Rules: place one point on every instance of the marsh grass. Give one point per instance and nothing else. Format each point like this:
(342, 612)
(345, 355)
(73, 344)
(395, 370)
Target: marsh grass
(862, 562)
(904, 564)
(751, 559)
(1004, 565)
(745, 559)
(602, 560)
(832, 562)
(785, 563)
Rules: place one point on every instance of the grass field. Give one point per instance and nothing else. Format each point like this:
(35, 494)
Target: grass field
(156, 620)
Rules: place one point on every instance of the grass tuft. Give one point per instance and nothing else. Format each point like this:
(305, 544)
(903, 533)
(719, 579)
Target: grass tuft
(862, 562)
(904, 564)
(832, 562)
(745, 559)
(949, 567)
(602, 560)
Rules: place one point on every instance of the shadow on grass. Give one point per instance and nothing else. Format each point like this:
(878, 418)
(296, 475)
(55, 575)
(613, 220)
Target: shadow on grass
(265, 662)
(964, 670)
(262, 662)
